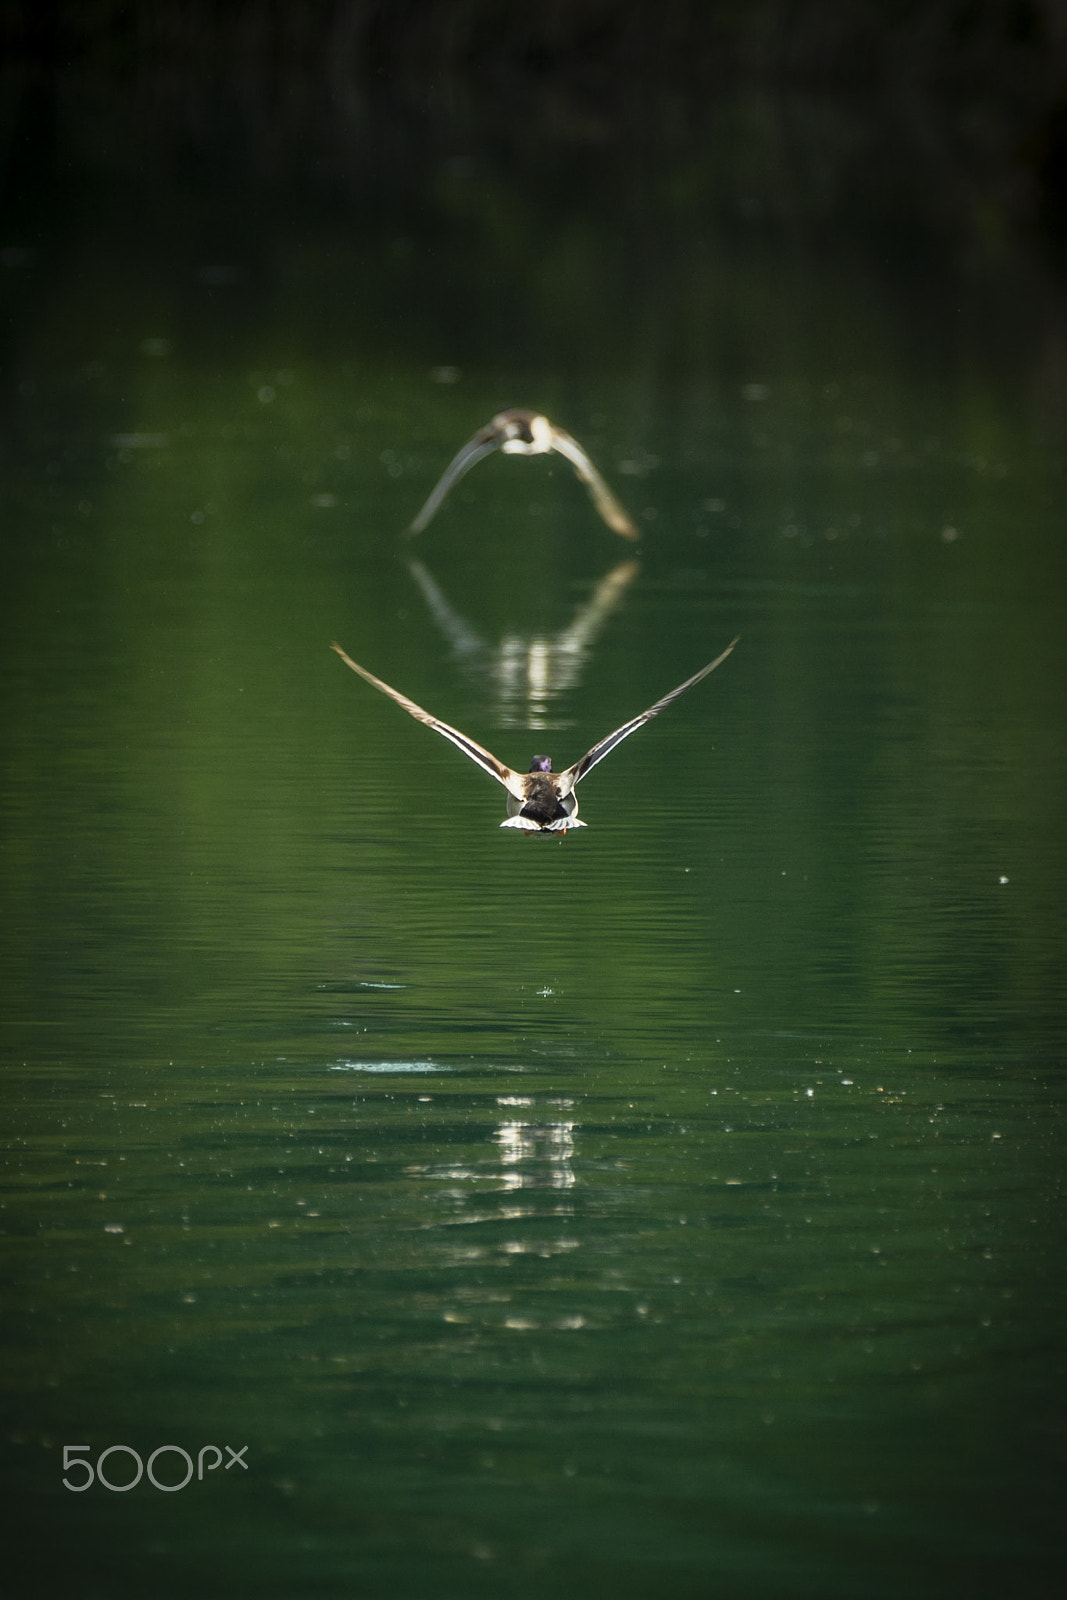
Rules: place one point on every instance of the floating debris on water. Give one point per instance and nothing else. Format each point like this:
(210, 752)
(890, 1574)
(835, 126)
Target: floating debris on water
(387, 1066)
(138, 441)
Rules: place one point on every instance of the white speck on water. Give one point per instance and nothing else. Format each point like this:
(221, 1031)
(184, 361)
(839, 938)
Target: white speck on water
(1003, 879)
(810, 1093)
(138, 441)
(387, 1066)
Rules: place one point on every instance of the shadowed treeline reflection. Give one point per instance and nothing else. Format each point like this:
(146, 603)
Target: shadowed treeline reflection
(925, 127)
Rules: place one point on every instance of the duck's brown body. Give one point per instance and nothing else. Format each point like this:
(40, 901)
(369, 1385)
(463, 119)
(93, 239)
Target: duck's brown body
(543, 809)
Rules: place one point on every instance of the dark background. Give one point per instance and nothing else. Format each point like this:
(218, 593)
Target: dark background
(950, 115)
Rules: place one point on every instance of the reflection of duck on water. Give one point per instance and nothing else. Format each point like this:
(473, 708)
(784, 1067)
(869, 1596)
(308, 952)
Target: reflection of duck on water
(549, 1145)
(518, 432)
(539, 801)
(528, 671)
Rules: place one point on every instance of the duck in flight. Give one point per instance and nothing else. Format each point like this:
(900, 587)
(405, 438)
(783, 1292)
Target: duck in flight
(539, 801)
(524, 433)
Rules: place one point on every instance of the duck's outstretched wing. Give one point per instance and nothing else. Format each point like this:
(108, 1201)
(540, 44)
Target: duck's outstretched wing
(604, 747)
(484, 442)
(602, 497)
(482, 757)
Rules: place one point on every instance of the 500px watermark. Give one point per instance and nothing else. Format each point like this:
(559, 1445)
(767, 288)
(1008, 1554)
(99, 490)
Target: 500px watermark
(74, 1460)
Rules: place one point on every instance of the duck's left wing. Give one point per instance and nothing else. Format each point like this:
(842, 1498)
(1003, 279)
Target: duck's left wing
(604, 747)
(605, 502)
(477, 753)
(484, 442)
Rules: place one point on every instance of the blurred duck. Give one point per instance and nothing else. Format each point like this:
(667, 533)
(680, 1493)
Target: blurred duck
(539, 801)
(524, 433)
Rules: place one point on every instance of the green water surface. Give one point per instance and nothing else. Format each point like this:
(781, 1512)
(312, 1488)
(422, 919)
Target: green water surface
(673, 1210)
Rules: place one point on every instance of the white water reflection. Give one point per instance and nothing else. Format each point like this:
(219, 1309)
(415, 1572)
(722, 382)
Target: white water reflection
(536, 1155)
(532, 1154)
(528, 671)
(388, 1066)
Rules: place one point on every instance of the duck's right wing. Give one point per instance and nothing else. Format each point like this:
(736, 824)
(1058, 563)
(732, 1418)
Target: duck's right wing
(476, 752)
(605, 502)
(484, 442)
